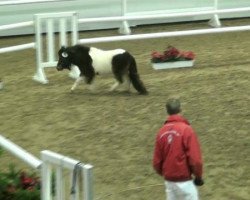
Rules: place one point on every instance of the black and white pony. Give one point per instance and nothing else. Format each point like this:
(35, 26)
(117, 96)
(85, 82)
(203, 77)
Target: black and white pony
(92, 61)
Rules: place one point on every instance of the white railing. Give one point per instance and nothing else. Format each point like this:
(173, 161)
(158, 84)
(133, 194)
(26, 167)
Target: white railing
(76, 170)
(55, 162)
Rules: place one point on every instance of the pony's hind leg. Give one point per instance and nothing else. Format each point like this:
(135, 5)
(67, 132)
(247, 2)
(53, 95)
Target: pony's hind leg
(126, 83)
(92, 86)
(76, 83)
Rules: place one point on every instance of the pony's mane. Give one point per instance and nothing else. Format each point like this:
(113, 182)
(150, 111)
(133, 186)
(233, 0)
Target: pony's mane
(80, 48)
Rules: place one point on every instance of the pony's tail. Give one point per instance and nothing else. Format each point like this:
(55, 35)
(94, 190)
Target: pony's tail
(135, 78)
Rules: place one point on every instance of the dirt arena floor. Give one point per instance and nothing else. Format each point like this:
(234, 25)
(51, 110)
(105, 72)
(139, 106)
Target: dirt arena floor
(115, 132)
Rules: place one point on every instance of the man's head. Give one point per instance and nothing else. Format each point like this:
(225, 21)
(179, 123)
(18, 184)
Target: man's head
(173, 106)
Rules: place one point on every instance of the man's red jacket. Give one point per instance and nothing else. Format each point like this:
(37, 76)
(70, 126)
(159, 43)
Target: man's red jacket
(177, 153)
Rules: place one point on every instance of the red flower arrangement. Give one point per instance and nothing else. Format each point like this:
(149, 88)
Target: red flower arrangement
(19, 185)
(171, 54)
(29, 182)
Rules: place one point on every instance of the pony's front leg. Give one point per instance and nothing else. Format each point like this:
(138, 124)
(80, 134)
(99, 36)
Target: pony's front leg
(77, 81)
(114, 86)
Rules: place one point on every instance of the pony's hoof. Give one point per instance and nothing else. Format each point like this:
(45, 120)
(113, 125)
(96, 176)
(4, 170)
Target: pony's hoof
(143, 93)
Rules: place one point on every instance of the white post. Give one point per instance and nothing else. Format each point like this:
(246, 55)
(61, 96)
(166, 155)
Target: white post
(50, 41)
(88, 182)
(46, 175)
(40, 75)
(62, 28)
(74, 22)
(215, 21)
(74, 72)
(20, 152)
(60, 194)
(124, 29)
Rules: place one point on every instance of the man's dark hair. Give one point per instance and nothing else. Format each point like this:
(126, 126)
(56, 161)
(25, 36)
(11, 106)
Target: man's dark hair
(173, 106)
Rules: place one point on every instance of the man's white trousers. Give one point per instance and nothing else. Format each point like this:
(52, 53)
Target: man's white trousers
(185, 190)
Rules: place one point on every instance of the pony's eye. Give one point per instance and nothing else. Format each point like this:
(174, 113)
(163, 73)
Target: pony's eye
(64, 54)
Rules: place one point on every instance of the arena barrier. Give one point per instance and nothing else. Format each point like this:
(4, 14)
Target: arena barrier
(125, 28)
(60, 164)
(45, 24)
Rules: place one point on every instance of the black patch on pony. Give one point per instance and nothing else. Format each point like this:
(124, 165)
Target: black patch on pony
(77, 55)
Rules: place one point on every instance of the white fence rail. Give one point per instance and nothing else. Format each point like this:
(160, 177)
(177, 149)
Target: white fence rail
(163, 34)
(16, 25)
(55, 162)
(20, 153)
(16, 2)
(17, 47)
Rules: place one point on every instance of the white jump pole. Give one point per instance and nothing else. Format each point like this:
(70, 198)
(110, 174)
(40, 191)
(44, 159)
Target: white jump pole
(20, 153)
(164, 34)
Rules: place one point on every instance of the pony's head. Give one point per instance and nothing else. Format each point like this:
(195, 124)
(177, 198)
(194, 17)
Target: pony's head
(64, 61)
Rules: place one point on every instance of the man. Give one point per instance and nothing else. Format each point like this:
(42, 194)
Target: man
(177, 155)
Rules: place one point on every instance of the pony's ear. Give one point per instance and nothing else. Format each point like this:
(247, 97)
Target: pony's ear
(63, 48)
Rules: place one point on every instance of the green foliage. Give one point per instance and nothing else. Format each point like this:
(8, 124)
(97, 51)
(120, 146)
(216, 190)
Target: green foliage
(1, 151)
(18, 185)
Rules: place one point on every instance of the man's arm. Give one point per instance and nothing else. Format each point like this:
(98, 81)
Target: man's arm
(157, 157)
(194, 154)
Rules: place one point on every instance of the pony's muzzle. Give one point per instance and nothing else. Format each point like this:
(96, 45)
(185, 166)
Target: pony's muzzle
(59, 68)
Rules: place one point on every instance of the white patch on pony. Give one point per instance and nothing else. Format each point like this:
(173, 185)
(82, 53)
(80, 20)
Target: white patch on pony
(102, 60)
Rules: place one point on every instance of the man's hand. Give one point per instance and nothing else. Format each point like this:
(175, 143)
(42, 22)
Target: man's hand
(198, 181)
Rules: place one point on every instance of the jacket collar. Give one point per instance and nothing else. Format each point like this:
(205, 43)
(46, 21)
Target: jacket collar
(176, 118)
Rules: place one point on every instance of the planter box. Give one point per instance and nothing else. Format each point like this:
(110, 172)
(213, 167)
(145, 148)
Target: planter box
(176, 64)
